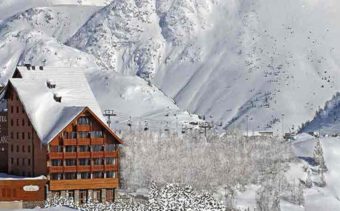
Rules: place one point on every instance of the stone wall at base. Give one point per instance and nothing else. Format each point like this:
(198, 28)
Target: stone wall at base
(32, 204)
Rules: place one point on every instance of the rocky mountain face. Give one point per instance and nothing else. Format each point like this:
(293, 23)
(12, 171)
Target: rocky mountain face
(266, 64)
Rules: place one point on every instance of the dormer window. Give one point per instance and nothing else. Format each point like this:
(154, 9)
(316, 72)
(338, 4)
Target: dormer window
(57, 97)
(51, 84)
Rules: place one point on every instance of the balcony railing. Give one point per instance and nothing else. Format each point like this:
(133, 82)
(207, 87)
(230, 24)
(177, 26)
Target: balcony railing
(70, 142)
(70, 155)
(113, 167)
(83, 184)
(97, 141)
(97, 168)
(83, 154)
(55, 155)
(83, 128)
(99, 154)
(112, 154)
(83, 168)
(55, 169)
(70, 168)
(84, 141)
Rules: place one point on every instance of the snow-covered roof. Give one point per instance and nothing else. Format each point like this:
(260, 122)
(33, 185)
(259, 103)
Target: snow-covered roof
(48, 116)
(4, 176)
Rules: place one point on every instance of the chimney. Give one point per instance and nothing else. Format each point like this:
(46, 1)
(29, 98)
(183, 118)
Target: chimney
(57, 97)
(51, 84)
(28, 66)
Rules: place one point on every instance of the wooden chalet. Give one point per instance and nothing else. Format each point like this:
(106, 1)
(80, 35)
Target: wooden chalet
(56, 129)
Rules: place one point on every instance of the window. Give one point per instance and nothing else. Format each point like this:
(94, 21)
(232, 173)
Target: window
(17, 161)
(23, 161)
(74, 135)
(110, 161)
(70, 176)
(56, 162)
(17, 109)
(84, 148)
(71, 148)
(29, 123)
(110, 174)
(29, 161)
(29, 149)
(17, 148)
(84, 162)
(56, 149)
(23, 122)
(97, 148)
(23, 135)
(97, 134)
(85, 175)
(12, 135)
(98, 161)
(23, 110)
(111, 147)
(98, 175)
(29, 135)
(12, 160)
(12, 123)
(23, 148)
(57, 176)
(70, 162)
(83, 121)
(12, 148)
(12, 109)
(17, 135)
(84, 135)
(17, 122)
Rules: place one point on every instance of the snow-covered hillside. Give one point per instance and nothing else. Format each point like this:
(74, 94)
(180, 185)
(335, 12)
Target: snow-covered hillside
(37, 37)
(270, 63)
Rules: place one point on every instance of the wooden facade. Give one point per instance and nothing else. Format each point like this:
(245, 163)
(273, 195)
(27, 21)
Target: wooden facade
(82, 160)
(22, 190)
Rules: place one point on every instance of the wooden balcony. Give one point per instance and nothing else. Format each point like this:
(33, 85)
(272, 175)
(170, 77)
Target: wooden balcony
(55, 169)
(97, 168)
(84, 154)
(70, 168)
(55, 155)
(113, 167)
(70, 142)
(99, 154)
(112, 154)
(83, 168)
(83, 128)
(83, 184)
(97, 141)
(70, 155)
(84, 141)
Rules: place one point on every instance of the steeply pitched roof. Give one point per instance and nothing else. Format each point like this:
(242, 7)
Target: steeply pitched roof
(49, 117)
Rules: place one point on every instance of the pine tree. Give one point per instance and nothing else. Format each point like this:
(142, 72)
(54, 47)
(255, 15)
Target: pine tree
(322, 179)
(309, 182)
(318, 156)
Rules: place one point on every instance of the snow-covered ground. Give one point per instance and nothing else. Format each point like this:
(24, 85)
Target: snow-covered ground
(326, 198)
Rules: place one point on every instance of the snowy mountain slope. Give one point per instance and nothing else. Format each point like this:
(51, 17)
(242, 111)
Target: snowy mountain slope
(12, 7)
(326, 119)
(225, 59)
(326, 198)
(36, 37)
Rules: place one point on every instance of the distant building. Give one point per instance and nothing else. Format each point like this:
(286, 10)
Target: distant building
(56, 129)
(3, 133)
